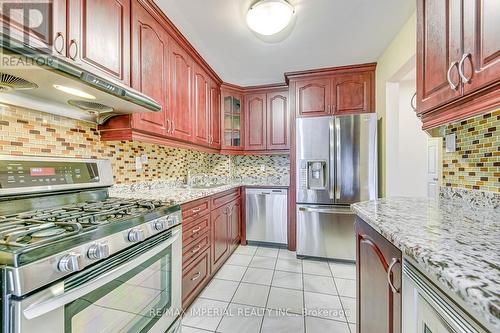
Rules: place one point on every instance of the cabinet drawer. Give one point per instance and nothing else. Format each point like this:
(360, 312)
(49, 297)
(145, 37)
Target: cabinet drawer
(192, 250)
(224, 198)
(194, 277)
(195, 229)
(193, 210)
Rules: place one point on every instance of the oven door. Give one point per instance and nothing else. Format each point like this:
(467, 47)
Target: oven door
(137, 290)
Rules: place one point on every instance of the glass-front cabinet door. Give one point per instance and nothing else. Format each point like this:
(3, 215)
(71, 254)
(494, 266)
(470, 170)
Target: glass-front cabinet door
(232, 123)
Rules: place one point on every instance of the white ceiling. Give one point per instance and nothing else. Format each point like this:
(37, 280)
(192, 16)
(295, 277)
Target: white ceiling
(325, 33)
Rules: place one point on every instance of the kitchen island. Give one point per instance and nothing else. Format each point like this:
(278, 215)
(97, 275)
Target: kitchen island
(454, 241)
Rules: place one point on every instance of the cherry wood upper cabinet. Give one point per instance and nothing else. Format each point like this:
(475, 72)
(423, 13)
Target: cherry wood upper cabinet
(378, 297)
(351, 93)
(201, 107)
(278, 121)
(50, 36)
(149, 68)
(313, 97)
(232, 120)
(255, 122)
(439, 51)
(99, 36)
(181, 93)
(458, 59)
(481, 56)
(215, 115)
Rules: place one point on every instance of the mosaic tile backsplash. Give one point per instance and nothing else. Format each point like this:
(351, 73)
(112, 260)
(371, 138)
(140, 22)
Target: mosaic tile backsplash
(476, 162)
(26, 132)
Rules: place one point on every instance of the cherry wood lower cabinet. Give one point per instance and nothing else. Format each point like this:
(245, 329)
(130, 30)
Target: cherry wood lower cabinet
(379, 279)
(211, 232)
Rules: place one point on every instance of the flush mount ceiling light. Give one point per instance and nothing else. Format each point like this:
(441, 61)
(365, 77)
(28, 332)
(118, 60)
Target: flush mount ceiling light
(268, 17)
(74, 91)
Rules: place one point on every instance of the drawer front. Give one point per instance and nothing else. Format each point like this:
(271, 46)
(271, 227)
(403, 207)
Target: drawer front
(194, 249)
(224, 198)
(195, 209)
(194, 277)
(194, 230)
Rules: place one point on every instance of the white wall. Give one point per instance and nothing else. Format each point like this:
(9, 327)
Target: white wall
(406, 143)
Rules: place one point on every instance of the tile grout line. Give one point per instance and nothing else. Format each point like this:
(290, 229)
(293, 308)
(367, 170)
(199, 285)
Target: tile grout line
(269, 292)
(239, 283)
(340, 299)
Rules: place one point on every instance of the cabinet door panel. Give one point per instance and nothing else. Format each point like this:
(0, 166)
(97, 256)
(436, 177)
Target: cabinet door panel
(439, 39)
(181, 90)
(220, 236)
(215, 113)
(150, 68)
(278, 121)
(235, 222)
(313, 97)
(48, 35)
(379, 308)
(482, 42)
(351, 93)
(102, 34)
(255, 122)
(201, 107)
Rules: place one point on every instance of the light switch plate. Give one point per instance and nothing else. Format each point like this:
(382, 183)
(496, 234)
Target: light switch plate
(138, 163)
(451, 143)
(144, 159)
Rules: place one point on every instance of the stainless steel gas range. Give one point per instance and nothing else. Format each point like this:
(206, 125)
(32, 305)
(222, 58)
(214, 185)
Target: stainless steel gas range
(72, 259)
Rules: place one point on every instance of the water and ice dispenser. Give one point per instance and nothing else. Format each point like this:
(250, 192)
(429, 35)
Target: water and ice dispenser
(313, 174)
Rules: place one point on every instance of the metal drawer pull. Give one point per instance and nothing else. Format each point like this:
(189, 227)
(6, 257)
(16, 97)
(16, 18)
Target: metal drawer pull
(394, 261)
(448, 75)
(73, 42)
(196, 276)
(461, 68)
(196, 230)
(196, 210)
(325, 211)
(196, 249)
(59, 36)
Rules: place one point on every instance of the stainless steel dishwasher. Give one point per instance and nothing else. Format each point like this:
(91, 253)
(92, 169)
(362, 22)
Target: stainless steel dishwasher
(267, 216)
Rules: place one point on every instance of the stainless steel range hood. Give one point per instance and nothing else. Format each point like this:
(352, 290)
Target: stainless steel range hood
(28, 79)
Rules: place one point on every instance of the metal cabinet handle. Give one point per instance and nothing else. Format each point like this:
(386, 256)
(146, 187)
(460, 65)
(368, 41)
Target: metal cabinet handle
(196, 276)
(59, 37)
(75, 44)
(448, 76)
(196, 249)
(195, 230)
(173, 127)
(332, 109)
(465, 79)
(412, 102)
(325, 211)
(196, 210)
(168, 126)
(394, 261)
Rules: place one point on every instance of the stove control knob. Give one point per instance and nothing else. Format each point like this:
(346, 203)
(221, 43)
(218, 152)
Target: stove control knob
(159, 225)
(71, 262)
(98, 251)
(136, 235)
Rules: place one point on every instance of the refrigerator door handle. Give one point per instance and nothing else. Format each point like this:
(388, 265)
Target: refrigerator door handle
(338, 147)
(326, 211)
(332, 169)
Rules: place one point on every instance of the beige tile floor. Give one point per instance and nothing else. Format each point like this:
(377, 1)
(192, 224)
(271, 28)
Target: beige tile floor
(262, 289)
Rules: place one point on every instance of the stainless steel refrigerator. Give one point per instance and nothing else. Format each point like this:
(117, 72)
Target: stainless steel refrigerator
(336, 166)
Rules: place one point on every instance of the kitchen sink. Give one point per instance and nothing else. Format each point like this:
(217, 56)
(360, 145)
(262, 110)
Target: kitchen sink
(205, 186)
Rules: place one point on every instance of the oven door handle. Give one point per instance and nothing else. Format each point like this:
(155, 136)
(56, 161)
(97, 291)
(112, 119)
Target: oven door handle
(50, 302)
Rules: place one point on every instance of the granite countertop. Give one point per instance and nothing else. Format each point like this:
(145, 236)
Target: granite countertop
(177, 194)
(454, 242)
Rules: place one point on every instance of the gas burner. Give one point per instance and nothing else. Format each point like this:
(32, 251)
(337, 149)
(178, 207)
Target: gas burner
(23, 232)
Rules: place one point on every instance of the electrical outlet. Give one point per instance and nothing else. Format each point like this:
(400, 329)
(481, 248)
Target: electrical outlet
(262, 167)
(138, 163)
(144, 159)
(451, 143)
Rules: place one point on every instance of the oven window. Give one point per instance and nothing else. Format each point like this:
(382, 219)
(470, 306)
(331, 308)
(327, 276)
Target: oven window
(131, 303)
